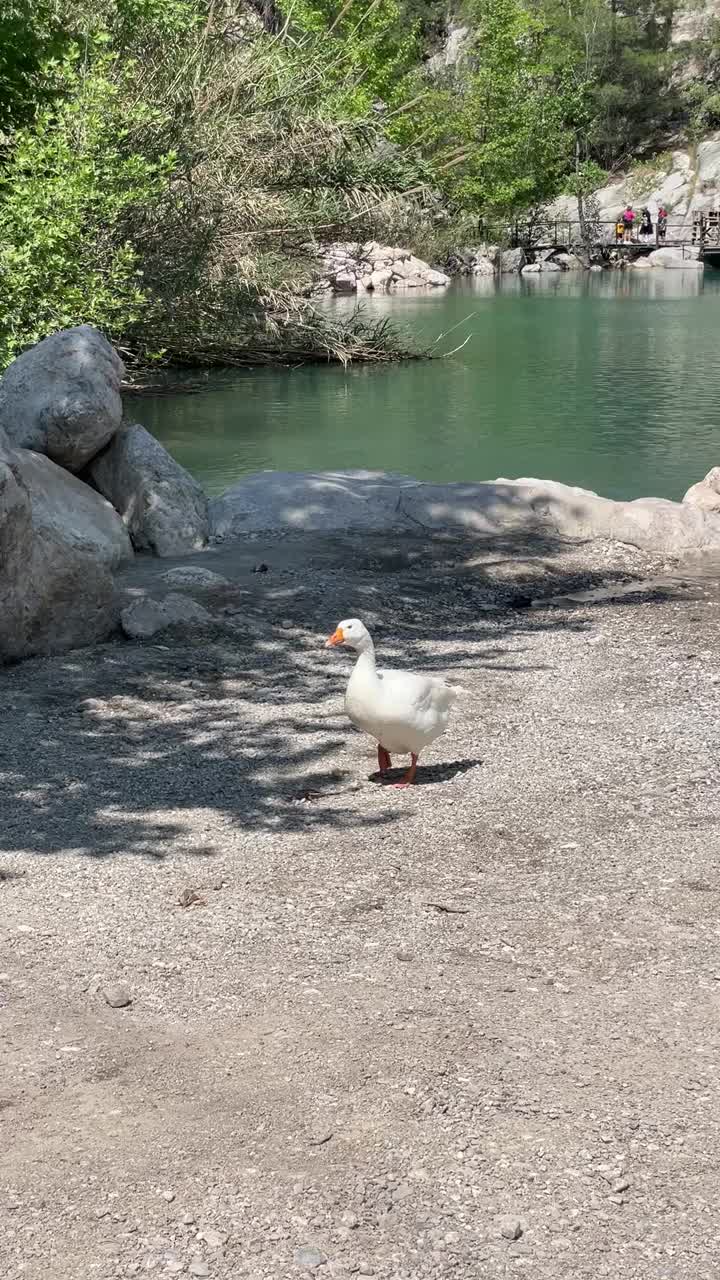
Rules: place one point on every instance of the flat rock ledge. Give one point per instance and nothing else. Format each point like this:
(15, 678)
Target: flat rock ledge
(377, 501)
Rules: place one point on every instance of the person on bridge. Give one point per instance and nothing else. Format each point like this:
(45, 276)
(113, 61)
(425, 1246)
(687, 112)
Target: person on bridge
(662, 222)
(619, 231)
(646, 225)
(628, 222)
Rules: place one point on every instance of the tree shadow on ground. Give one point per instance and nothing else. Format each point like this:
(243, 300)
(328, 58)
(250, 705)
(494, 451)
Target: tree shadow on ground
(185, 745)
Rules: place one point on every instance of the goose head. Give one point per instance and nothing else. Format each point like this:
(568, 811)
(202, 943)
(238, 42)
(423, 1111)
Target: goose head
(350, 632)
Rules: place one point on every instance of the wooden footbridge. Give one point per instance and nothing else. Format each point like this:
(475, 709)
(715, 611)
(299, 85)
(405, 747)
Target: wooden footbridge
(699, 238)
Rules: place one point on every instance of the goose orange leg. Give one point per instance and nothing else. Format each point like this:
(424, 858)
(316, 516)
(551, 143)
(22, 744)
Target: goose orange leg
(384, 761)
(409, 778)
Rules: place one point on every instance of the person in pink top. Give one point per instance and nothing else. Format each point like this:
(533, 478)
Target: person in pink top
(628, 219)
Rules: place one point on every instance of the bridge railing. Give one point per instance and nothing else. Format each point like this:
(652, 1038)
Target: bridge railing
(700, 231)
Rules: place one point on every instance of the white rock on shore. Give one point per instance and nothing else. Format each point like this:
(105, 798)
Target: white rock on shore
(62, 397)
(525, 507)
(706, 494)
(163, 507)
(372, 267)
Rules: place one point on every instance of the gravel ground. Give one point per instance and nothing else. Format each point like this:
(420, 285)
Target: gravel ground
(467, 1029)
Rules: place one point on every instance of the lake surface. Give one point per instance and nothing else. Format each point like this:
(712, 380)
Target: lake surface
(609, 381)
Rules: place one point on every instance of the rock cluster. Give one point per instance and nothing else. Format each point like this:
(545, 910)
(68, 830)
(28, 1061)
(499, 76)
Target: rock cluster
(372, 267)
(468, 261)
(489, 260)
(79, 492)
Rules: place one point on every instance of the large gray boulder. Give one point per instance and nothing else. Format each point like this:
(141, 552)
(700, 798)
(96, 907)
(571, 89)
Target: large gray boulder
(512, 260)
(164, 509)
(705, 494)
(70, 512)
(62, 397)
(69, 598)
(53, 596)
(16, 535)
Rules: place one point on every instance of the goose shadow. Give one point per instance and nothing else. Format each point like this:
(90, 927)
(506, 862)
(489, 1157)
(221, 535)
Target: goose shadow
(428, 775)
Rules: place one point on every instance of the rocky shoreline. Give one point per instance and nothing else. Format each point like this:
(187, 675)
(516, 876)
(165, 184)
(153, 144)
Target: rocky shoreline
(83, 494)
(372, 268)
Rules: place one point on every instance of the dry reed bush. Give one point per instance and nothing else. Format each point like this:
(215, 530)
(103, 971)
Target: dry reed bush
(264, 170)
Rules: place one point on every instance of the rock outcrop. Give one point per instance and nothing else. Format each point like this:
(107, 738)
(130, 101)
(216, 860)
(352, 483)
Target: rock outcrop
(70, 512)
(164, 509)
(525, 507)
(371, 267)
(62, 397)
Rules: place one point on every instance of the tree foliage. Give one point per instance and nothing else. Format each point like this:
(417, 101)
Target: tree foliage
(168, 167)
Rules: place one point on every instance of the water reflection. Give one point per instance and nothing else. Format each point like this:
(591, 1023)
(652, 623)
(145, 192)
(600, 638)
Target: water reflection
(608, 380)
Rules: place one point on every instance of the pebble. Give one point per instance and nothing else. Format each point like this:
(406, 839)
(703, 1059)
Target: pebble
(622, 1185)
(405, 956)
(169, 1196)
(215, 1239)
(308, 1258)
(350, 1220)
(510, 1227)
(117, 996)
(198, 1267)
(402, 1192)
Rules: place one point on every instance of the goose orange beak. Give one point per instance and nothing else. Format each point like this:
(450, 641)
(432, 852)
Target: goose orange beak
(337, 637)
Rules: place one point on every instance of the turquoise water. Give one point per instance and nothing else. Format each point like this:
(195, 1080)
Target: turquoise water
(610, 381)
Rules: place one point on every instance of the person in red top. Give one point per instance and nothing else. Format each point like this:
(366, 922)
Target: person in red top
(662, 222)
(628, 222)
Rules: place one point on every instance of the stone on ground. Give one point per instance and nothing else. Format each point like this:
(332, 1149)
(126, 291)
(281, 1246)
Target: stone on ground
(62, 397)
(164, 509)
(190, 575)
(144, 618)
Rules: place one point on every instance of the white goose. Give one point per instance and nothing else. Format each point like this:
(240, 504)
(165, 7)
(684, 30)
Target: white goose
(402, 711)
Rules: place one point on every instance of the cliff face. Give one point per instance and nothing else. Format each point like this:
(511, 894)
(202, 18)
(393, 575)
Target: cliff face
(685, 182)
(694, 20)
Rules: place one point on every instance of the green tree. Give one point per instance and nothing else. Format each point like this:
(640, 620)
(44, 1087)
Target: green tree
(33, 39)
(501, 130)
